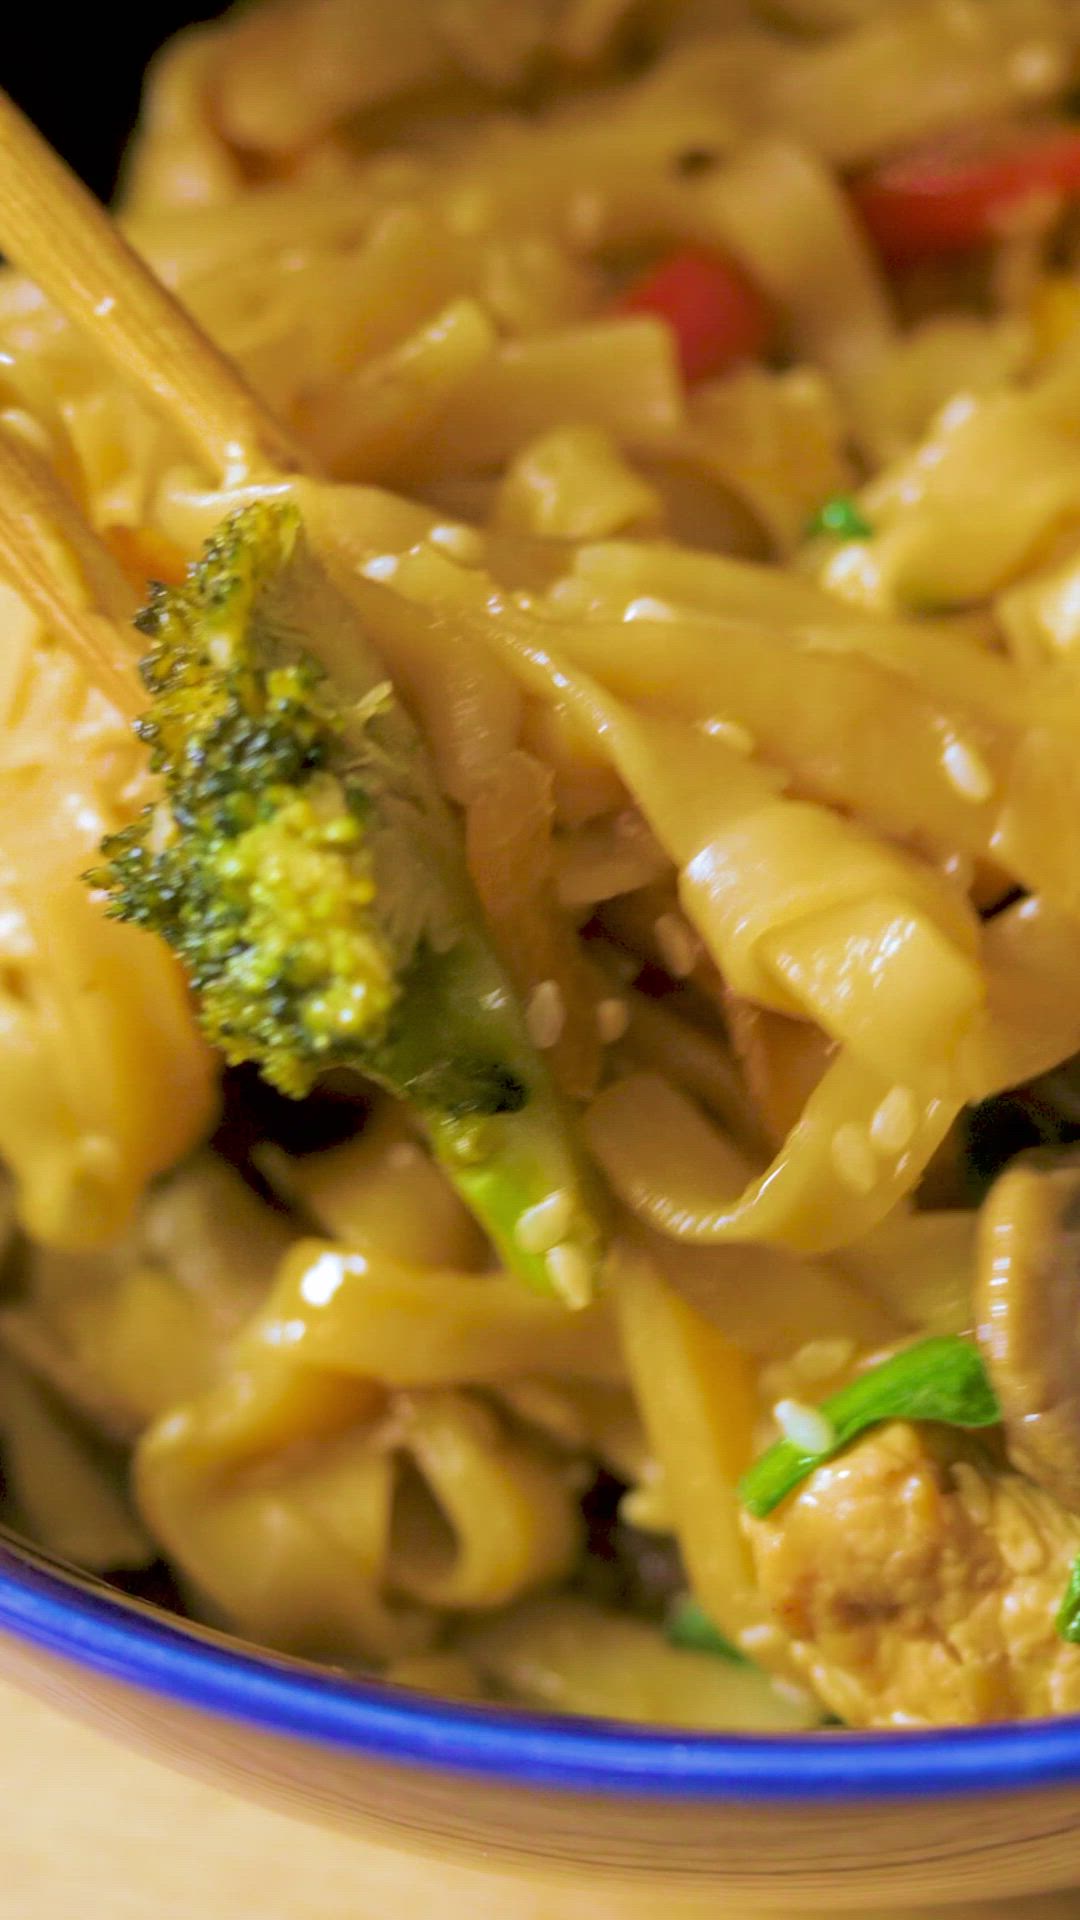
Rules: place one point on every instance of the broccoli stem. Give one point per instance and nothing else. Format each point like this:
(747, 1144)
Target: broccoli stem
(459, 1053)
(311, 877)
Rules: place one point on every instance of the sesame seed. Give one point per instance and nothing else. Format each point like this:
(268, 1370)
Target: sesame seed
(403, 1154)
(568, 595)
(854, 573)
(737, 737)
(791, 1693)
(806, 1428)
(967, 771)
(545, 1015)
(648, 1508)
(1035, 68)
(853, 1158)
(461, 543)
(568, 1270)
(972, 1493)
(97, 1156)
(680, 948)
(761, 1639)
(645, 607)
(1018, 1543)
(894, 1121)
(542, 1227)
(612, 1020)
(820, 1359)
(955, 413)
(236, 464)
(382, 567)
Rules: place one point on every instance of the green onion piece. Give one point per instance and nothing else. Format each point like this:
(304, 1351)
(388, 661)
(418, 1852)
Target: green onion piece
(941, 1379)
(841, 518)
(688, 1625)
(1068, 1614)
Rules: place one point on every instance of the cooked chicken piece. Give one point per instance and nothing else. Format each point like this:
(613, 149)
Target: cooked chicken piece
(920, 1585)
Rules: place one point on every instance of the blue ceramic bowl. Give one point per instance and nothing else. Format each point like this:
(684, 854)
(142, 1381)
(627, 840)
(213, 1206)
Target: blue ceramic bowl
(642, 1819)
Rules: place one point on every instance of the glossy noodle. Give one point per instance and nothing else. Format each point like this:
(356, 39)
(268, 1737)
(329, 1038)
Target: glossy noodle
(609, 785)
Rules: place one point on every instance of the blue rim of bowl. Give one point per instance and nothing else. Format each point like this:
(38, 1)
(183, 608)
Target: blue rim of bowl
(84, 1623)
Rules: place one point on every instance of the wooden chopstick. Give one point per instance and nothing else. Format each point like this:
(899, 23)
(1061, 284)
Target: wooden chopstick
(49, 513)
(36, 519)
(66, 242)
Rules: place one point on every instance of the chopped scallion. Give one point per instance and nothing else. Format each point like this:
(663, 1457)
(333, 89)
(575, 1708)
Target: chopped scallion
(688, 1625)
(942, 1380)
(1068, 1614)
(840, 518)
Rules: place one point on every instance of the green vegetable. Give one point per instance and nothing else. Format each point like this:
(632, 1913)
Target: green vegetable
(943, 1380)
(841, 518)
(305, 868)
(1067, 1621)
(688, 1625)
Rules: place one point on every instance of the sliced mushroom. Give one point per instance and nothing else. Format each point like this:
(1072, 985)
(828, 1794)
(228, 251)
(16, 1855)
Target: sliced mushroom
(1027, 1301)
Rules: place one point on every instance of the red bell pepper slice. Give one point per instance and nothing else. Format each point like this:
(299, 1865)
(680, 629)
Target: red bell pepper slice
(715, 311)
(948, 197)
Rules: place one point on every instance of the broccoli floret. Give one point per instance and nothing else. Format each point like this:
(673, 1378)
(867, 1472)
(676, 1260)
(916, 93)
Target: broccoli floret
(303, 865)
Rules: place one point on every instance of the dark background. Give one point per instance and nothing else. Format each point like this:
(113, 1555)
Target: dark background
(77, 72)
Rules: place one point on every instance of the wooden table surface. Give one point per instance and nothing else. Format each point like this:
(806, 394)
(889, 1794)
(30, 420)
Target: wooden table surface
(93, 1832)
